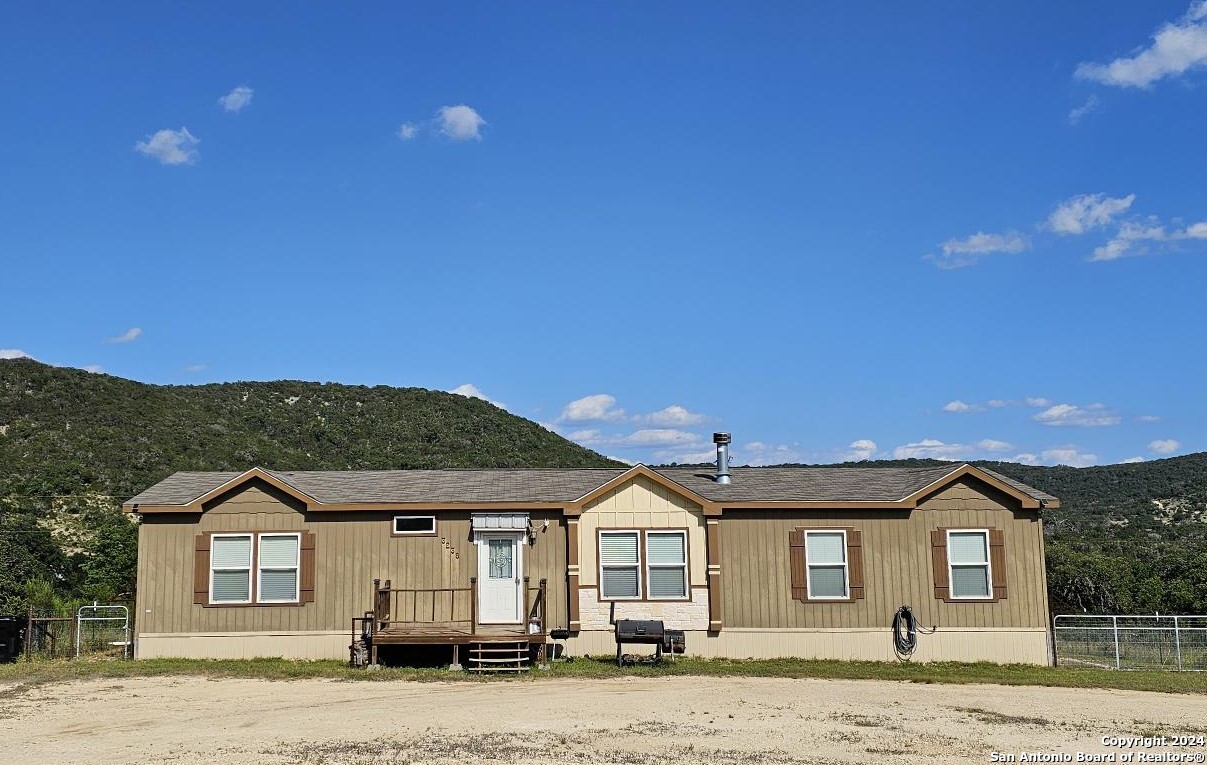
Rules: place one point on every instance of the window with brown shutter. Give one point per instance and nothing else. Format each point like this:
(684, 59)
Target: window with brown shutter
(968, 565)
(203, 565)
(833, 571)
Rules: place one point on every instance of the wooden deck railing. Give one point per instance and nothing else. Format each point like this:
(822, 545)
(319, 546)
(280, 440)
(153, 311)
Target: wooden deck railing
(537, 608)
(424, 605)
(438, 605)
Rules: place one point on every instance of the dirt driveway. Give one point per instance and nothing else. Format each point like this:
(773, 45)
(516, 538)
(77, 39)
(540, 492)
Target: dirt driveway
(656, 721)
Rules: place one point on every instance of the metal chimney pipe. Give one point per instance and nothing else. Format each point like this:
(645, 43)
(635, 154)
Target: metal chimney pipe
(722, 441)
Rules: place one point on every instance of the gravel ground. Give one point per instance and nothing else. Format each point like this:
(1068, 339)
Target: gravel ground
(646, 721)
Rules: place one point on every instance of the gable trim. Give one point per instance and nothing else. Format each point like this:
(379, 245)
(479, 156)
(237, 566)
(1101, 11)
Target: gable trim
(637, 471)
(1026, 500)
(196, 504)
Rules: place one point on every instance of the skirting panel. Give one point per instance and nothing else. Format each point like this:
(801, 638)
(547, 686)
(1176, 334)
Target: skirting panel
(1017, 646)
(244, 645)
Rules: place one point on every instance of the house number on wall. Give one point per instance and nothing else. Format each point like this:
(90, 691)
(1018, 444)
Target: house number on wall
(448, 546)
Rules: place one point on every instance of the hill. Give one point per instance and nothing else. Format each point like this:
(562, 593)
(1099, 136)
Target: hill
(74, 445)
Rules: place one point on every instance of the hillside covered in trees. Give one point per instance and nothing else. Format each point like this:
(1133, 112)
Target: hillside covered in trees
(73, 444)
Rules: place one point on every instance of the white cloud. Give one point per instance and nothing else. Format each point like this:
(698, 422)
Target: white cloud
(1133, 238)
(657, 437)
(689, 457)
(129, 336)
(170, 147)
(94, 368)
(1177, 47)
(1068, 455)
(460, 123)
(1131, 460)
(673, 415)
(1038, 401)
(1094, 415)
(1026, 458)
(1148, 418)
(237, 99)
(959, 407)
(407, 131)
(13, 353)
(586, 436)
(471, 391)
(599, 407)
(929, 448)
(760, 453)
(863, 449)
(991, 445)
(1164, 446)
(193, 368)
(958, 253)
(1125, 241)
(1079, 214)
(1077, 114)
(998, 403)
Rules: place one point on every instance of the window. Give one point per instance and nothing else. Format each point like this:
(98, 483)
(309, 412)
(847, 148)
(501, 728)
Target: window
(666, 564)
(276, 558)
(826, 558)
(414, 524)
(278, 567)
(619, 565)
(826, 564)
(633, 564)
(968, 564)
(230, 568)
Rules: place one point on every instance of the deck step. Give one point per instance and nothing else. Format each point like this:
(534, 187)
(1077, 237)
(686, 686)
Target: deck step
(512, 656)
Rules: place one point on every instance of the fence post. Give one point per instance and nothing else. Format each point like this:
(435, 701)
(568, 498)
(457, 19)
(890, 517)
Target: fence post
(29, 635)
(1177, 643)
(1115, 622)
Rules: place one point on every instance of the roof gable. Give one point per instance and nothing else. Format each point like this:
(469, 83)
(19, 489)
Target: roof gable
(640, 471)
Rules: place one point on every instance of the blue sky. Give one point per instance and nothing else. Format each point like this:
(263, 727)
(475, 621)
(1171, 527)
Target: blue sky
(961, 230)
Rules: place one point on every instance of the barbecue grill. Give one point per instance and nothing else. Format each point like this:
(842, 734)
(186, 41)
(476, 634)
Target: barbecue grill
(648, 632)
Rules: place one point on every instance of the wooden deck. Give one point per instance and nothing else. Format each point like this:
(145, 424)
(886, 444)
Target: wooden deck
(452, 633)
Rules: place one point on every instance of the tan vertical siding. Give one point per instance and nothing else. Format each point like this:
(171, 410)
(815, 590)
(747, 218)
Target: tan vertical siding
(756, 587)
(351, 549)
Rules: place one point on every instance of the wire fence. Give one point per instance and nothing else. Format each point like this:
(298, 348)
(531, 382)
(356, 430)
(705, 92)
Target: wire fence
(1177, 643)
(96, 631)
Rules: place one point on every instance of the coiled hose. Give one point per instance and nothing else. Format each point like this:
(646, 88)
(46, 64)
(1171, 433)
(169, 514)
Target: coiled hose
(905, 633)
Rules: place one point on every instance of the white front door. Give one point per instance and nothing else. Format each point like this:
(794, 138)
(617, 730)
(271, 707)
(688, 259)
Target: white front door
(500, 577)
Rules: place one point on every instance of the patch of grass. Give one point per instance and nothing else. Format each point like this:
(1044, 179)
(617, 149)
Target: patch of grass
(990, 717)
(37, 672)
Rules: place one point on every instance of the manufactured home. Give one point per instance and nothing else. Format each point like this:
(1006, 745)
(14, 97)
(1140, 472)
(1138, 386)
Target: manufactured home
(747, 562)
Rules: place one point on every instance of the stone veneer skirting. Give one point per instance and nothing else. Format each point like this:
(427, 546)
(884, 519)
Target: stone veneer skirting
(677, 614)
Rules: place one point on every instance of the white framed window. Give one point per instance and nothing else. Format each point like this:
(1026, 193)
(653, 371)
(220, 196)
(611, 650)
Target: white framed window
(826, 559)
(230, 568)
(666, 564)
(407, 525)
(619, 565)
(968, 564)
(277, 563)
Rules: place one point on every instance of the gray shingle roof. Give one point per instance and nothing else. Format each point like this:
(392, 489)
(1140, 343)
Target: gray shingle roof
(750, 484)
(811, 484)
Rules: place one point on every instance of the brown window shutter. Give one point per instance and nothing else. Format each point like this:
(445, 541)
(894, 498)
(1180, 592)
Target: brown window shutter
(997, 562)
(938, 562)
(201, 570)
(796, 555)
(855, 562)
(307, 583)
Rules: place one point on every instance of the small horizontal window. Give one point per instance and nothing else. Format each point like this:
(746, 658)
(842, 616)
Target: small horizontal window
(414, 524)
